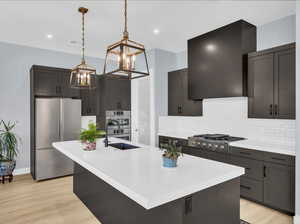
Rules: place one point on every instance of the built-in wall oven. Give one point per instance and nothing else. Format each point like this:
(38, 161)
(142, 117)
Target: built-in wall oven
(119, 124)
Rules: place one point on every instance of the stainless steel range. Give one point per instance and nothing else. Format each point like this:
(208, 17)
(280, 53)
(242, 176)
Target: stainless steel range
(118, 124)
(212, 142)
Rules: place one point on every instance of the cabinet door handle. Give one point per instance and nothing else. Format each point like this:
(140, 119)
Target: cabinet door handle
(180, 109)
(56, 89)
(276, 109)
(245, 187)
(119, 105)
(188, 205)
(271, 109)
(246, 153)
(279, 159)
(265, 173)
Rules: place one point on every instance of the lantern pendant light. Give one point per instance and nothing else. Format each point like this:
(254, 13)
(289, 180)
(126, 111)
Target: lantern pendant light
(83, 76)
(126, 59)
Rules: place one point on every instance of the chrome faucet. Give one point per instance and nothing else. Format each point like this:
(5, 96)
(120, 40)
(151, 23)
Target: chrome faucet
(106, 130)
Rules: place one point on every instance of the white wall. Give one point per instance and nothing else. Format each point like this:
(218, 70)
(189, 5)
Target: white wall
(276, 33)
(15, 63)
(229, 115)
(160, 63)
(165, 61)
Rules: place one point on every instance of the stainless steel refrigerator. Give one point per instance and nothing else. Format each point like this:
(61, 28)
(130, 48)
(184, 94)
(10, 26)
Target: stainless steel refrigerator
(56, 119)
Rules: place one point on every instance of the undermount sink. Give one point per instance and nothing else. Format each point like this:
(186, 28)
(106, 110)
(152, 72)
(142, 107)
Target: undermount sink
(123, 146)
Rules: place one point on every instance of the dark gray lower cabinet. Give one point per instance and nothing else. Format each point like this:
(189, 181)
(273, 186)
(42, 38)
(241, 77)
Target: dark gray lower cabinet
(253, 168)
(269, 177)
(278, 186)
(166, 140)
(252, 189)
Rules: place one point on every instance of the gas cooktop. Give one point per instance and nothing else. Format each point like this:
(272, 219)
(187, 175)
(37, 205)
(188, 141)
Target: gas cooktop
(212, 142)
(218, 137)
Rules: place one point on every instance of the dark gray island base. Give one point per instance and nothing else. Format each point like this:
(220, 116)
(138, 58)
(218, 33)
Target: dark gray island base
(214, 205)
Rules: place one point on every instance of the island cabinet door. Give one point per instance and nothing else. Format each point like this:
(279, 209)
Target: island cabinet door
(214, 205)
(278, 186)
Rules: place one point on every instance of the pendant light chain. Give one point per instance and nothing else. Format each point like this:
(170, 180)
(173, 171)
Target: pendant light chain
(125, 22)
(83, 47)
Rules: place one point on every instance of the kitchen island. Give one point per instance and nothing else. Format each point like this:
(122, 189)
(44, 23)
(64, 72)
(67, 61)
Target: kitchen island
(132, 187)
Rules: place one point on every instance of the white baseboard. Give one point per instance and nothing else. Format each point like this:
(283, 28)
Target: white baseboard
(21, 171)
(296, 219)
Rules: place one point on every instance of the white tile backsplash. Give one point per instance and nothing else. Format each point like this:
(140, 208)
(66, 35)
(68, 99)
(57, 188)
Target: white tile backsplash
(230, 116)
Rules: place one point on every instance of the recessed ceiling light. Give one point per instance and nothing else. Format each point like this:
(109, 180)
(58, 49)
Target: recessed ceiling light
(73, 42)
(49, 36)
(156, 31)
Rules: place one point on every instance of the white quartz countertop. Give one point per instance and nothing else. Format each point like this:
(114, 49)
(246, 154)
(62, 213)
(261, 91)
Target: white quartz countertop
(266, 146)
(139, 174)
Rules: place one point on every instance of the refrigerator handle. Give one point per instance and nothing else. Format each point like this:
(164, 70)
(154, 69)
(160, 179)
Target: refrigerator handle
(61, 119)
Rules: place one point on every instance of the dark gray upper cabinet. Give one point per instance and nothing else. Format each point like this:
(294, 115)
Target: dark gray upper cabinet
(261, 86)
(115, 93)
(271, 83)
(112, 94)
(284, 85)
(88, 102)
(46, 81)
(52, 82)
(178, 102)
(278, 186)
(217, 66)
(66, 89)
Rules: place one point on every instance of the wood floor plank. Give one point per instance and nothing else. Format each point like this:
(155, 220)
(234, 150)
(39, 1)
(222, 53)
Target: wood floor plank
(53, 202)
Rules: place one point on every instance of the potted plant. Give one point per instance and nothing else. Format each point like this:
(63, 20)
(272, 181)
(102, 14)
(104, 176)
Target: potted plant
(88, 136)
(8, 149)
(171, 153)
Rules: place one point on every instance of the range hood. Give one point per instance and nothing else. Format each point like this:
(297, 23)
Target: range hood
(217, 61)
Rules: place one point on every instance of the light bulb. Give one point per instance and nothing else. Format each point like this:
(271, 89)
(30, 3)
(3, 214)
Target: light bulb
(88, 79)
(133, 57)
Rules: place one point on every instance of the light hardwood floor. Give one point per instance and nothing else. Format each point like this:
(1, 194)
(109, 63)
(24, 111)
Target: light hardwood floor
(53, 202)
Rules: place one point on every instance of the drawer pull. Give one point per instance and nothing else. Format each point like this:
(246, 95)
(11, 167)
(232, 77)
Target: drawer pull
(245, 187)
(279, 159)
(245, 153)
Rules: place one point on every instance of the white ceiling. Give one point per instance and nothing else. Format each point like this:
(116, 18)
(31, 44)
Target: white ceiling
(28, 22)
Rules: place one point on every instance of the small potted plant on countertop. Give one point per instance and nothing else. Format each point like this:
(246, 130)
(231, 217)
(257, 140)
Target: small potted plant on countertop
(88, 136)
(171, 153)
(8, 150)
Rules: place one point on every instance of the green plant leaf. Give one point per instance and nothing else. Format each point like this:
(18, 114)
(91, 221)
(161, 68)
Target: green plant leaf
(90, 134)
(8, 141)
